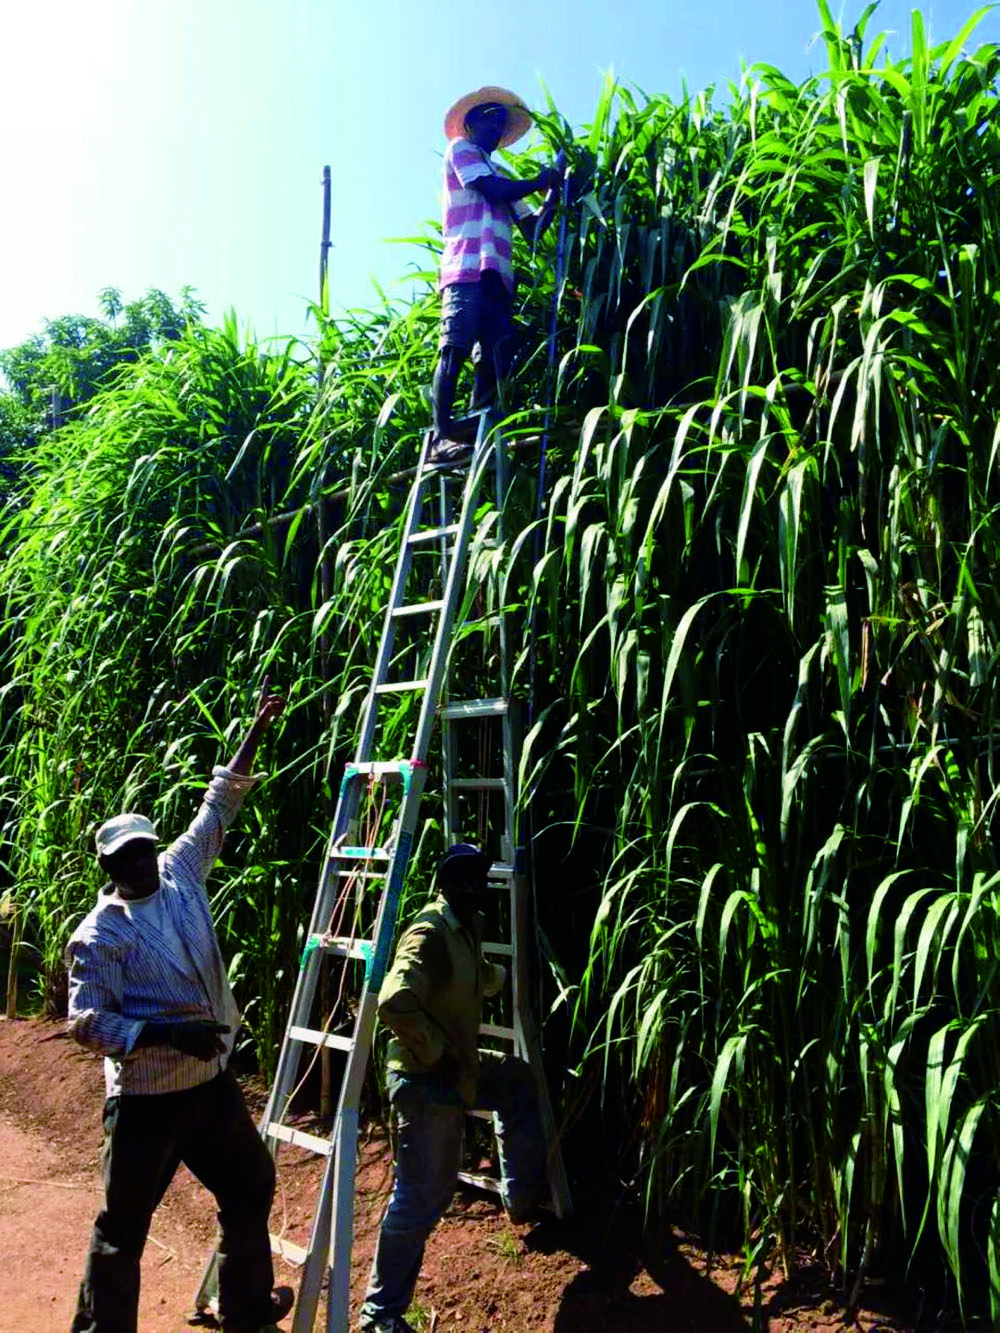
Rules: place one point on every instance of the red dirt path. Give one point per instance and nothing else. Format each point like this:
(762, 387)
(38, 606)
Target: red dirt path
(481, 1274)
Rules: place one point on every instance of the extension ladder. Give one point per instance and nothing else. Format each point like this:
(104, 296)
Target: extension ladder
(369, 846)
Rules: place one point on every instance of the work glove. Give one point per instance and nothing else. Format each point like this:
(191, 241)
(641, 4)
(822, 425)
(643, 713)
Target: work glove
(200, 1037)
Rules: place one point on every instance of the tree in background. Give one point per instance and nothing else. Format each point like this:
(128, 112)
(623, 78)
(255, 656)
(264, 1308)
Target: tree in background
(63, 367)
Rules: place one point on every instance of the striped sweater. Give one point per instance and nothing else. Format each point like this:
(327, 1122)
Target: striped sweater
(477, 234)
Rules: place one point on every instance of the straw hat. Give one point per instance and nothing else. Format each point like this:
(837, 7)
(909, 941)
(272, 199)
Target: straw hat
(519, 118)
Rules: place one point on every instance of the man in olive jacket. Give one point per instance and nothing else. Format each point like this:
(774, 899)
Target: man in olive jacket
(432, 1001)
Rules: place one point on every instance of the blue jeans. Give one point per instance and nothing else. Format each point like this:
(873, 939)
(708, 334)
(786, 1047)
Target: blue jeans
(428, 1157)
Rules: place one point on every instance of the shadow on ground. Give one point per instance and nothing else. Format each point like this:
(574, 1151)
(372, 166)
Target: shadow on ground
(631, 1285)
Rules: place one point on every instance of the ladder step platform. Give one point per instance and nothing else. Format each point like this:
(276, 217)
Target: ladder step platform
(454, 712)
(361, 854)
(496, 1030)
(418, 609)
(478, 1179)
(316, 1037)
(288, 1250)
(401, 686)
(396, 768)
(300, 1139)
(343, 946)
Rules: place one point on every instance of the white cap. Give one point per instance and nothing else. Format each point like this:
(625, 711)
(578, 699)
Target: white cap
(115, 833)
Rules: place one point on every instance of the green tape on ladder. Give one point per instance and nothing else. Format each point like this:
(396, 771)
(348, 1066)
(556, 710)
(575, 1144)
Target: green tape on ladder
(367, 953)
(349, 772)
(406, 767)
(311, 943)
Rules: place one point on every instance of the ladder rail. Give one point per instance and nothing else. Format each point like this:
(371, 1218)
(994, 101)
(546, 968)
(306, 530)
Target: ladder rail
(383, 657)
(334, 1214)
(286, 1072)
(306, 982)
(456, 573)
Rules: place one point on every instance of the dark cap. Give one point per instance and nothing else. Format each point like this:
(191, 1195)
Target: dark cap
(464, 861)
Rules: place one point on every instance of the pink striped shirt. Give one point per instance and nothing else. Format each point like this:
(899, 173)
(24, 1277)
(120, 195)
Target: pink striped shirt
(476, 232)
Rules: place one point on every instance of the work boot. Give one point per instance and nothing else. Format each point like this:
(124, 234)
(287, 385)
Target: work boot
(527, 1205)
(394, 1324)
(282, 1300)
(445, 451)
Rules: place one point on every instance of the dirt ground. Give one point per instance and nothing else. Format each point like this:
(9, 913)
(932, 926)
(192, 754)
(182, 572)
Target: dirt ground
(589, 1274)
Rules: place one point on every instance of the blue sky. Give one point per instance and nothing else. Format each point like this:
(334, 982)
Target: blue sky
(153, 143)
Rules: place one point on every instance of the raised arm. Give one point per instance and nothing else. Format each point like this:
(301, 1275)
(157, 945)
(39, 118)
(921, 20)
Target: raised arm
(269, 707)
(196, 850)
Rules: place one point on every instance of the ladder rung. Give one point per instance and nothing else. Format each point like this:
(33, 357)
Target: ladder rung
(392, 769)
(481, 1182)
(471, 419)
(315, 1037)
(480, 1115)
(478, 784)
(433, 534)
(417, 609)
(324, 1147)
(401, 686)
(492, 1030)
(500, 870)
(287, 1249)
(474, 708)
(507, 950)
(359, 854)
(342, 946)
(361, 874)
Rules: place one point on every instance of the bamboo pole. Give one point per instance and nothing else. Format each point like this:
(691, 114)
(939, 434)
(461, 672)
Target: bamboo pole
(324, 244)
(325, 587)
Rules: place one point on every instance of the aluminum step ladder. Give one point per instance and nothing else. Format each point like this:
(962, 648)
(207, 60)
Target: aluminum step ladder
(469, 784)
(354, 917)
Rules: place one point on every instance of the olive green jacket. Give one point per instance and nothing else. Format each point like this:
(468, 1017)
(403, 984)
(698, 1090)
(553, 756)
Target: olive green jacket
(432, 998)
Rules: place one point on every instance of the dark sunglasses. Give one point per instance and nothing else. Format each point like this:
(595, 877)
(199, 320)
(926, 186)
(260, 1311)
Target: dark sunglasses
(490, 109)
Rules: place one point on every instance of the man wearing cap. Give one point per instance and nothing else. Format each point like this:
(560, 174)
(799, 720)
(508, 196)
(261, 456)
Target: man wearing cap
(432, 1001)
(148, 990)
(477, 274)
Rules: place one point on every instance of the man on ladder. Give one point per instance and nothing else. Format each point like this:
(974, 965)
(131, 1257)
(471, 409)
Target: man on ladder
(477, 275)
(432, 1000)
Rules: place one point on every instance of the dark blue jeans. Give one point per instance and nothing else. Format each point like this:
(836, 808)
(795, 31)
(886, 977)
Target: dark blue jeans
(428, 1157)
(146, 1138)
